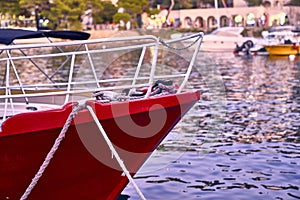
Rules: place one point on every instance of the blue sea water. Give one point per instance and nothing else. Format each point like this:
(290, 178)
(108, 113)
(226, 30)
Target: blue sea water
(240, 141)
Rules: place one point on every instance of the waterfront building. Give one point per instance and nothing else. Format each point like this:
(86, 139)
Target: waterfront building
(232, 13)
(259, 16)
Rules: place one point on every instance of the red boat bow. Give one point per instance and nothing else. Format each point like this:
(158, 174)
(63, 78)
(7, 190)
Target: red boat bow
(84, 159)
(52, 146)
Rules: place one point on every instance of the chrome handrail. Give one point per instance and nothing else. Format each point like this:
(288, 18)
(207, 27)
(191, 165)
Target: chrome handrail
(72, 87)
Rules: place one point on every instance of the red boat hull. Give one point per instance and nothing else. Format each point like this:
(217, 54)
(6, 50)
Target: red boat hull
(83, 166)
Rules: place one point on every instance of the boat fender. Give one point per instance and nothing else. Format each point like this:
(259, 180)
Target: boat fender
(295, 46)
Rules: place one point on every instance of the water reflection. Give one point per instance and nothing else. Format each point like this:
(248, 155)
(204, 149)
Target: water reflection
(242, 145)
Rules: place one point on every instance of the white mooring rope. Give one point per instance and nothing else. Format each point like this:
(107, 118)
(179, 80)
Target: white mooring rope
(115, 153)
(52, 151)
(61, 136)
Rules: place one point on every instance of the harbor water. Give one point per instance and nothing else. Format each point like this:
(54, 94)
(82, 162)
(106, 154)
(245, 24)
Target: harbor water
(240, 141)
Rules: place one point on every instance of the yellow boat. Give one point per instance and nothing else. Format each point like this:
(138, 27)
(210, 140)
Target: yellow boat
(283, 49)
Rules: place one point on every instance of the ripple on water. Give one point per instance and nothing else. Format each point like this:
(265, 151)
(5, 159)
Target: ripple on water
(245, 145)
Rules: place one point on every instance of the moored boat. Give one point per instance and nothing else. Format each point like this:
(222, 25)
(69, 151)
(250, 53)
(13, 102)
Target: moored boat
(283, 49)
(279, 41)
(223, 39)
(70, 130)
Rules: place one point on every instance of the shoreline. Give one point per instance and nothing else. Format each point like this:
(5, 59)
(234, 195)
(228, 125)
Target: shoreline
(96, 34)
(108, 33)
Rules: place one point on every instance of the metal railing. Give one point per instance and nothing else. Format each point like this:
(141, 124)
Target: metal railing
(20, 84)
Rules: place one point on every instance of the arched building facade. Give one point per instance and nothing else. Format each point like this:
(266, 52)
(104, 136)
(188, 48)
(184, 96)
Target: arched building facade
(210, 18)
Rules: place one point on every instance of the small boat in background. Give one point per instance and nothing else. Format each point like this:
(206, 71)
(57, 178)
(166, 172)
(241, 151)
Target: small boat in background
(290, 45)
(283, 49)
(70, 129)
(224, 39)
(278, 41)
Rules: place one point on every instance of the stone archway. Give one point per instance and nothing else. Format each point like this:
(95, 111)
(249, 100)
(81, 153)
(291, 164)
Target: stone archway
(199, 23)
(211, 22)
(224, 21)
(188, 22)
(267, 4)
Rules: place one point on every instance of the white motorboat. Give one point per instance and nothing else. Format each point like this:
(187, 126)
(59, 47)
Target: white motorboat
(223, 39)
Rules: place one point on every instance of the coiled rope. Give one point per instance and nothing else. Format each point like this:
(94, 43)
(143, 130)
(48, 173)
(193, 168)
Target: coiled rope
(57, 143)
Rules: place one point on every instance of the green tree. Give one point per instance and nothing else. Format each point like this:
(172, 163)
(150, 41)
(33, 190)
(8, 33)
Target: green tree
(97, 7)
(11, 7)
(183, 4)
(107, 13)
(39, 7)
(132, 8)
(66, 14)
(254, 2)
(178, 4)
(125, 17)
